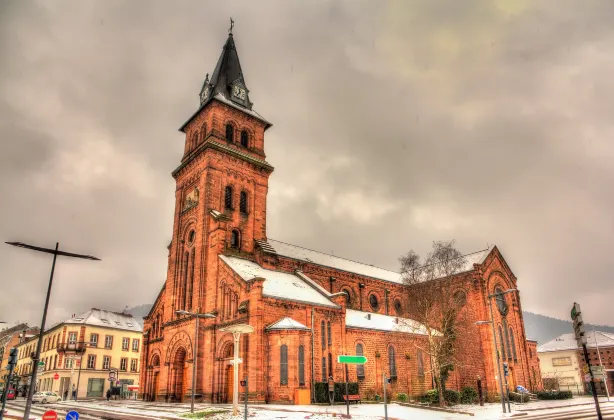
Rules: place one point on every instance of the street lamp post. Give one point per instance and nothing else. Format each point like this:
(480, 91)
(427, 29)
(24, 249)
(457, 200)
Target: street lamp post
(236, 331)
(494, 336)
(55, 252)
(194, 357)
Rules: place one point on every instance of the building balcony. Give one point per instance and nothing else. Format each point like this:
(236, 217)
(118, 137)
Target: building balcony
(72, 347)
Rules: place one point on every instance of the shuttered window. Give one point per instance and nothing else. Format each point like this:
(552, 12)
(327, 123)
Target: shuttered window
(243, 203)
(283, 365)
(228, 198)
(301, 365)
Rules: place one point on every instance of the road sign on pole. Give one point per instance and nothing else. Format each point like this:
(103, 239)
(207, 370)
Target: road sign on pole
(352, 360)
(72, 415)
(50, 415)
(56, 376)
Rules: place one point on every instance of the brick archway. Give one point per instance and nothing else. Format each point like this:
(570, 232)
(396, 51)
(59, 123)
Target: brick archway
(177, 375)
(224, 368)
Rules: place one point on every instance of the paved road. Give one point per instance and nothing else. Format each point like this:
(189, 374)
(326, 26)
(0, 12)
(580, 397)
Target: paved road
(577, 413)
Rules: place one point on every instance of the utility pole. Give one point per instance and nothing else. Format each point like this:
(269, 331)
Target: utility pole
(55, 252)
(578, 326)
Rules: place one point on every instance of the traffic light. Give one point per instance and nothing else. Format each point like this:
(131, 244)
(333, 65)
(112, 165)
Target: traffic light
(13, 356)
(506, 370)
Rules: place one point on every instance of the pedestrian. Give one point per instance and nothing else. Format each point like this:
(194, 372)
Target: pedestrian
(108, 394)
(74, 394)
(66, 395)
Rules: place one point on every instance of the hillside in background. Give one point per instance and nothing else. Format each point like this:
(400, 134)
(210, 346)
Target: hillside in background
(544, 328)
(538, 327)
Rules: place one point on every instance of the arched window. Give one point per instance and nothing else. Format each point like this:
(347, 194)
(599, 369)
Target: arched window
(228, 198)
(502, 343)
(301, 365)
(230, 133)
(283, 365)
(374, 301)
(392, 362)
(513, 344)
(360, 369)
(243, 203)
(398, 306)
(500, 299)
(330, 336)
(323, 328)
(348, 297)
(235, 239)
(244, 138)
(420, 361)
(203, 132)
(507, 339)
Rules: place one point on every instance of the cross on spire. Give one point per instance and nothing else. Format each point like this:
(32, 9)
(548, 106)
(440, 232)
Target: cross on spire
(232, 23)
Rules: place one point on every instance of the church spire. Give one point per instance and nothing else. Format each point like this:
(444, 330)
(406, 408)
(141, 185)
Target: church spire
(227, 78)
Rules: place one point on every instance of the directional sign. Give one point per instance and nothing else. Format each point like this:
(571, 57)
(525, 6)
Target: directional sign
(72, 415)
(598, 370)
(50, 415)
(41, 363)
(352, 360)
(575, 311)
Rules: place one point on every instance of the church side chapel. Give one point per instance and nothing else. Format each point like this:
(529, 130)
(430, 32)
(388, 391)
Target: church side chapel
(306, 307)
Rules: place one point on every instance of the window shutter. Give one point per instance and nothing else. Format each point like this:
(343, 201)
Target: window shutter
(228, 198)
(243, 203)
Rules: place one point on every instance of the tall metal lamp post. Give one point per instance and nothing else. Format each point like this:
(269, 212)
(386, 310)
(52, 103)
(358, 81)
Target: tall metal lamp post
(55, 252)
(197, 316)
(236, 331)
(494, 336)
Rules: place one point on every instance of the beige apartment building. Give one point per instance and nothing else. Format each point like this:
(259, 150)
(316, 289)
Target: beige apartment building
(562, 362)
(78, 354)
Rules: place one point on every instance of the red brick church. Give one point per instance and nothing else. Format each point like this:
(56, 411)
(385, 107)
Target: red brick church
(306, 307)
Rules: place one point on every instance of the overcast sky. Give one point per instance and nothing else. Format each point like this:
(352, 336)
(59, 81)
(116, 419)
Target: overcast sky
(395, 124)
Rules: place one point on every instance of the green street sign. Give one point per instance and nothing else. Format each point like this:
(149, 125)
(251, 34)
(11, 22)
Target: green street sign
(41, 363)
(352, 360)
(575, 311)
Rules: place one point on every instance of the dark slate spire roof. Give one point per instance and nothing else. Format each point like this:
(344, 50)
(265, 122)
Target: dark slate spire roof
(228, 71)
(227, 84)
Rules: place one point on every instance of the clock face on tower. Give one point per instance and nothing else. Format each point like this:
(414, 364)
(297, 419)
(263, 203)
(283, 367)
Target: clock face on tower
(238, 92)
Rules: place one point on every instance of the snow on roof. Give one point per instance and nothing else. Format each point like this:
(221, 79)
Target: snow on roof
(316, 257)
(373, 321)
(320, 258)
(251, 112)
(287, 324)
(278, 284)
(568, 342)
(104, 318)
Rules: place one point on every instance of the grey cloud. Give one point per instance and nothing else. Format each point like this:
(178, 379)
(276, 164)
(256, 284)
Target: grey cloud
(395, 124)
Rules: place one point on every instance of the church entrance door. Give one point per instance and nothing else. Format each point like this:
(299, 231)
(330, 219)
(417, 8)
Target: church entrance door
(179, 370)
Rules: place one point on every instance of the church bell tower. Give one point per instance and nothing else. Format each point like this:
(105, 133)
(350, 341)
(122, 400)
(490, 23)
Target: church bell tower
(222, 184)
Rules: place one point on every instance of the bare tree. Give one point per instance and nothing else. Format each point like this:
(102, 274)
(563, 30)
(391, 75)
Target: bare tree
(435, 305)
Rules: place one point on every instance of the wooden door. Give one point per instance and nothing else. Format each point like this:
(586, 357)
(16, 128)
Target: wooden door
(230, 377)
(155, 386)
